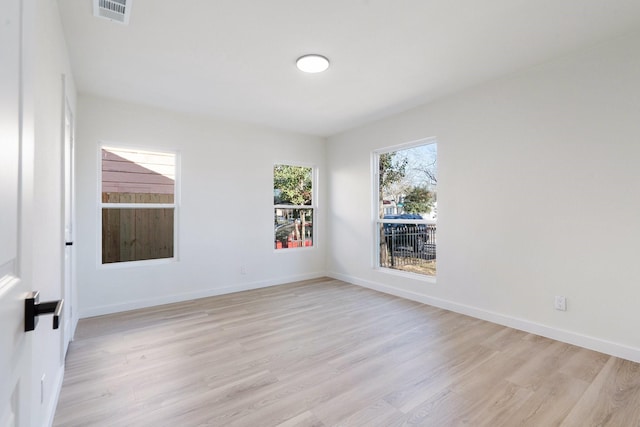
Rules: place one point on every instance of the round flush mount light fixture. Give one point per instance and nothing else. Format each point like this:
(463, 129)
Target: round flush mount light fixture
(312, 63)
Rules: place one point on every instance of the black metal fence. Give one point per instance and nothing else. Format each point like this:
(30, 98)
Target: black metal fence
(408, 244)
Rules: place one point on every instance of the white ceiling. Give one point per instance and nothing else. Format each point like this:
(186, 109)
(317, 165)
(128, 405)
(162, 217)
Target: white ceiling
(235, 59)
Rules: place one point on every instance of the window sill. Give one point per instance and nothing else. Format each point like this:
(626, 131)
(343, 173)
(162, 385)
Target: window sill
(132, 264)
(290, 250)
(406, 274)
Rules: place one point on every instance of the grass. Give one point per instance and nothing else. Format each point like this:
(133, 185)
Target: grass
(420, 267)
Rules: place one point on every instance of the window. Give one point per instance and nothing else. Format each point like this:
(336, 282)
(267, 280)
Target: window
(294, 203)
(406, 200)
(137, 205)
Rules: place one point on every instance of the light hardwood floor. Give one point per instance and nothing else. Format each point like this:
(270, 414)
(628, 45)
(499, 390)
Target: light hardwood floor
(326, 353)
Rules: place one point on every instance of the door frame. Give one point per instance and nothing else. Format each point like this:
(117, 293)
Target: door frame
(68, 282)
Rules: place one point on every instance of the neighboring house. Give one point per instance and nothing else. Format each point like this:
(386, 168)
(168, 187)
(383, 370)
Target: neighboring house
(390, 208)
(134, 173)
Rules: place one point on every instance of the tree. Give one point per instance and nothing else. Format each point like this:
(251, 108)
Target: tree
(427, 167)
(418, 200)
(429, 172)
(390, 171)
(292, 185)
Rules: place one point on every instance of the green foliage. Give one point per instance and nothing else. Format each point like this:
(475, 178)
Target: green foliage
(390, 171)
(418, 200)
(292, 185)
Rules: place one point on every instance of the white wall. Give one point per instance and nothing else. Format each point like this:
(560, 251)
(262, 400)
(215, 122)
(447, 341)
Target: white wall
(225, 215)
(50, 63)
(537, 197)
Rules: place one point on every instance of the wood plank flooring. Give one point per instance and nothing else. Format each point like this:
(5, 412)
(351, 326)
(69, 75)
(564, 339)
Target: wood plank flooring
(326, 353)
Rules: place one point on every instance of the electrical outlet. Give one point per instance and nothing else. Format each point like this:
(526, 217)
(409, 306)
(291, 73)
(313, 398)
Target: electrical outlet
(561, 303)
(243, 269)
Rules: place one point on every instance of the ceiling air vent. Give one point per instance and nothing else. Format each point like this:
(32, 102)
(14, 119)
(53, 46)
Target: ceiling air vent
(113, 10)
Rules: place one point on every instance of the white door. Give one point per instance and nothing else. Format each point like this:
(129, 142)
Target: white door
(68, 279)
(15, 344)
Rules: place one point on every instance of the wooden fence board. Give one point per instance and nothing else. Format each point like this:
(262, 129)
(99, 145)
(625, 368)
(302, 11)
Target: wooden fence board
(135, 234)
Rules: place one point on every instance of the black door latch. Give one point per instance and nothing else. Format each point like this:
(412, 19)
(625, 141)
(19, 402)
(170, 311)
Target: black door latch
(34, 308)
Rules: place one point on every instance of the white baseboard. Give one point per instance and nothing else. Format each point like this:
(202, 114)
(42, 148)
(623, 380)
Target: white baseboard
(52, 404)
(168, 299)
(591, 343)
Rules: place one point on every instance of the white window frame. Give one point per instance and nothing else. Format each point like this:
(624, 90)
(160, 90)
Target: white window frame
(313, 206)
(100, 205)
(375, 213)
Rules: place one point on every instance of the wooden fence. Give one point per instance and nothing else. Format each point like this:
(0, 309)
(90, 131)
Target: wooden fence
(135, 234)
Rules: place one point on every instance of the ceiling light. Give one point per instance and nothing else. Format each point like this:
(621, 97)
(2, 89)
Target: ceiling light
(312, 63)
